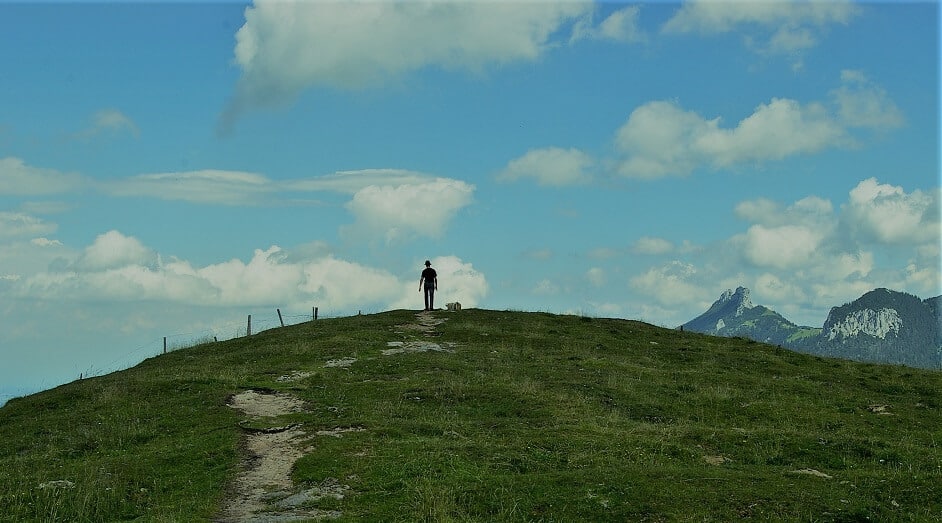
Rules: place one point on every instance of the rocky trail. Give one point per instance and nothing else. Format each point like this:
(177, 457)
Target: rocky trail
(263, 491)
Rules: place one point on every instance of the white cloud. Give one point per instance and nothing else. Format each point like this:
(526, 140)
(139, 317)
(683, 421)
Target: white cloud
(113, 250)
(15, 224)
(286, 47)
(802, 258)
(810, 211)
(782, 247)
(773, 288)
(397, 213)
(657, 140)
(457, 281)
(117, 268)
(861, 103)
(671, 284)
(621, 25)
(18, 178)
(45, 242)
(785, 237)
(206, 186)
(776, 27)
(886, 214)
(552, 166)
(661, 139)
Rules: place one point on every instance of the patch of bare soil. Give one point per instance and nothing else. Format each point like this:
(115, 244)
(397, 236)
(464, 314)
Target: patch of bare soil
(403, 347)
(263, 491)
(424, 323)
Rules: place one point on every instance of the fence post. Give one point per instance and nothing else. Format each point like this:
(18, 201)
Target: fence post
(279, 317)
(248, 327)
(165, 344)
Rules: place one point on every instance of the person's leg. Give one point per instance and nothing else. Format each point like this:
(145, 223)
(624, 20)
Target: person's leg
(431, 298)
(426, 298)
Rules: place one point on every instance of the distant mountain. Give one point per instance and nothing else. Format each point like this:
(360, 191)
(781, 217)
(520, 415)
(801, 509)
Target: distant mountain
(883, 326)
(735, 315)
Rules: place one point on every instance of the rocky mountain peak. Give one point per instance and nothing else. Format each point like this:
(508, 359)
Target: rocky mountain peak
(740, 300)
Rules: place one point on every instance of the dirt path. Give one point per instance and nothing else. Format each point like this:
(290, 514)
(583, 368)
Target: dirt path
(263, 491)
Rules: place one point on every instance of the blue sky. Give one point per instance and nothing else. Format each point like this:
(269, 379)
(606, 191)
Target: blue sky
(167, 169)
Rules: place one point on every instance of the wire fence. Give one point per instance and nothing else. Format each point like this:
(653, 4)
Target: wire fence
(250, 325)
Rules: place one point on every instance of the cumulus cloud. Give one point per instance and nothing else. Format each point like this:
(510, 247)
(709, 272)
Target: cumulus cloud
(813, 250)
(785, 237)
(117, 268)
(113, 250)
(770, 27)
(887, 214)
(458, 280)
(670, 284)
(553, 166)
(782, 247)
(662, 139)
(401, 212)
(286, 47)
(803, 257)
(18, 178)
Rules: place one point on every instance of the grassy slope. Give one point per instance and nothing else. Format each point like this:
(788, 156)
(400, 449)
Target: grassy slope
(533, 417)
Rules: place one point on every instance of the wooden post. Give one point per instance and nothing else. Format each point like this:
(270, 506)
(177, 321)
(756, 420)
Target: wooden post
(165, 344)
(280, 318)
(248, 328)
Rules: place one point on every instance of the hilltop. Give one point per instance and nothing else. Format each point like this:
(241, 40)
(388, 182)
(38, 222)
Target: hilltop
(479, 416)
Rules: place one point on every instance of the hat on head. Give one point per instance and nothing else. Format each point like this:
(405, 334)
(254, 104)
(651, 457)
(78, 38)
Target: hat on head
(427, 263)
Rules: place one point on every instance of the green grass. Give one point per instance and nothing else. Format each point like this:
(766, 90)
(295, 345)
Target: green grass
(533, 417)
(803, 334)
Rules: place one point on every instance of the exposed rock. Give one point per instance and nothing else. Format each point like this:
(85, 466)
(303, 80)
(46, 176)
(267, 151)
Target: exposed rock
(877, 323)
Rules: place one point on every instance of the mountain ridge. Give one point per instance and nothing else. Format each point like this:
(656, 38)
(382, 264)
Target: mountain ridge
(881, 326)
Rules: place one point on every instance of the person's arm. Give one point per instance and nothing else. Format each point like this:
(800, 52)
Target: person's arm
(436, 283)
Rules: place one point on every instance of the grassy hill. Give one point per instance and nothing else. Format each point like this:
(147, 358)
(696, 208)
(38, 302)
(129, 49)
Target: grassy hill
(513, 417)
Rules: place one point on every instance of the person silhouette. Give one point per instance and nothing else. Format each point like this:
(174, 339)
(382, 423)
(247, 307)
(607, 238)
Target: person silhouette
(429, 281)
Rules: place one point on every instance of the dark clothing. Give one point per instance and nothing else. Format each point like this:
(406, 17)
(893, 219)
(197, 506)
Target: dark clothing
(429, 278)
(429, 297)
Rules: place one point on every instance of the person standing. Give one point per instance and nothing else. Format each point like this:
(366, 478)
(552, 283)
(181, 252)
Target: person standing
(429, 281)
